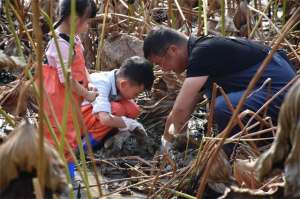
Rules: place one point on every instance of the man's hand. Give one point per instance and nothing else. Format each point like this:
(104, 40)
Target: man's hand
(168, 137)
(131, 124)
(165, 145)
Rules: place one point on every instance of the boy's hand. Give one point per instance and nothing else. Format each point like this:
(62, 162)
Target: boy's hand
(91, 96)
(91, 87)
(131, 124)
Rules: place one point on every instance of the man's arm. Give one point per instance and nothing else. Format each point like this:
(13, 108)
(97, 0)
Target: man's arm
(184, 105)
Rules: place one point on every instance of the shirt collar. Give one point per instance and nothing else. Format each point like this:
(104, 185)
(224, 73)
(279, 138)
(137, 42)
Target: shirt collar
(191, 43)
(114, 90)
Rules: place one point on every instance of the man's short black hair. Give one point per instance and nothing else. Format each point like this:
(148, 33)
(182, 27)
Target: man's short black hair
(138, 70)
(159, 39)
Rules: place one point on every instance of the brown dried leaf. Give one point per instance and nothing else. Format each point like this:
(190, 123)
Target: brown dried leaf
(14, 98)
(12, 62)
(238, 193)
(19, 154)
(244, 173)
(220, 170)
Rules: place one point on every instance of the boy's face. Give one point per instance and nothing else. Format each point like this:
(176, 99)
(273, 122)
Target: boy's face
(128, 90)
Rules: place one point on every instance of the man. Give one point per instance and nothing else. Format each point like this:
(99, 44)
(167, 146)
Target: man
(230, 62)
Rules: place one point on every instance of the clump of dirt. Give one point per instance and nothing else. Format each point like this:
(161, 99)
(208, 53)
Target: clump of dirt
(6, 77)
(128, 144)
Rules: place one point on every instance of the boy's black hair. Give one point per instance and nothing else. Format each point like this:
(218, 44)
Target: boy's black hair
(138, 70)
(83, 7)
(159, 39)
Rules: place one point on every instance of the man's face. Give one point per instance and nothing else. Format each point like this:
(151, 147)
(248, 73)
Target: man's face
(172, 60)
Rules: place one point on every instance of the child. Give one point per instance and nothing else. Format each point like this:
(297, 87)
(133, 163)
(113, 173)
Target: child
(114, 107)
(54, 100)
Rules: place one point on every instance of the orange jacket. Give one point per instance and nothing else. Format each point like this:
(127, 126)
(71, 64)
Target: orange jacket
(55, 92)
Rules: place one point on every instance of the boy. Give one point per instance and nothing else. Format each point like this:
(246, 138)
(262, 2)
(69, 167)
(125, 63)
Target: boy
(114, 107)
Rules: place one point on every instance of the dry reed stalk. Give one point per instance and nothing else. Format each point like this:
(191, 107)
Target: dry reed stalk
(259, 132)
(255, 125)
(211, 110)
(136, 184)
(146, 18)
(23, 97)
(256, 77)
(257, 117)
(183, 170)
(149, 26)
(171, 18)
(284, 152)
(94, 167)
(118, 180)
(278, 31)
(271, 99)
(39, 48)
(183, 17)
(37, 188)
(239, 120)
(101, 38)
(258, 23)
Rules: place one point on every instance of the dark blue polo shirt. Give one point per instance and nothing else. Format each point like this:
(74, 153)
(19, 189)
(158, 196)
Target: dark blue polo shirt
(232, 62)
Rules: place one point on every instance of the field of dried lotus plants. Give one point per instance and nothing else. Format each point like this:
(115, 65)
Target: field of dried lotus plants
(131, 165)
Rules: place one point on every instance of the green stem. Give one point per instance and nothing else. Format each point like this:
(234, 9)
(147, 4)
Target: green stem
(180, 194)
(200, 12)
(284, 5)
(12, 29)
(101, 38)
(223, 17)
(7, 117)
(38, 38)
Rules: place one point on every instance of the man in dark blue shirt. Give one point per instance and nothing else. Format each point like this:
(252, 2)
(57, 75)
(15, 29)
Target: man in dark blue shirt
(230, 62)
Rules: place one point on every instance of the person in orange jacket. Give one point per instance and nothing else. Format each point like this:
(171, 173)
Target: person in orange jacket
(54, 80)
(114, 107)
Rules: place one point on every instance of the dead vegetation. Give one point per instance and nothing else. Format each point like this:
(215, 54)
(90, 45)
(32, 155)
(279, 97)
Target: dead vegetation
(18, 165)
(117, 33)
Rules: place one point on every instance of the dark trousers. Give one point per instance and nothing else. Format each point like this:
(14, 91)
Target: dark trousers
(280, 72)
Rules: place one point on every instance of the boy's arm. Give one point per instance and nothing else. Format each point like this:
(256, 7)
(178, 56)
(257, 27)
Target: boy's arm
(82, 91)
(110, 120)
(102, 107)
(123, 123)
